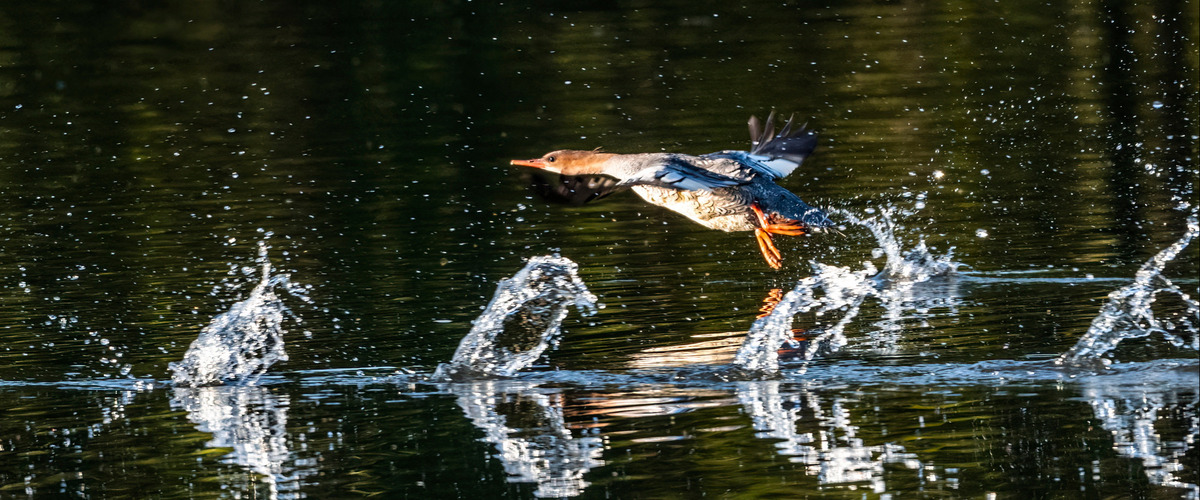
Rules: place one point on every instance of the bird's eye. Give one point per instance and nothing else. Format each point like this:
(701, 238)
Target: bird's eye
(550, 159)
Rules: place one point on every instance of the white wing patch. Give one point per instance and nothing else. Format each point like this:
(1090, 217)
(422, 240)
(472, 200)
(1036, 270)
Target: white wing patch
(780, 167)
(671, 177)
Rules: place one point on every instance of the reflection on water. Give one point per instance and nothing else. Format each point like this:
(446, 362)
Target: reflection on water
(526, 426)
(828, 446)
(1134, 408)
(560, 439)
(705, 348)
(252, 420)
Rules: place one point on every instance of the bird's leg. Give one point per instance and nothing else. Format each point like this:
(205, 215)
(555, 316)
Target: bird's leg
(789, 229)
(770, 253)
(764, 231)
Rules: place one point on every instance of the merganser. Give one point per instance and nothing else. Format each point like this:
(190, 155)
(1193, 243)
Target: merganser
(727, 190)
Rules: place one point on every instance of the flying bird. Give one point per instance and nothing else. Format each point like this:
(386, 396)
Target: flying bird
(727, 190)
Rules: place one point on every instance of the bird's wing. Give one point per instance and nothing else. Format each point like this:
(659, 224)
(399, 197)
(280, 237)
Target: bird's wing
(739, 165)
(780, 153)
(689, 173)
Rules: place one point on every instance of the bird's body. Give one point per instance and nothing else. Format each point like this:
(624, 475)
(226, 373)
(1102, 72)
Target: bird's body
(730, 208)
(727, 190)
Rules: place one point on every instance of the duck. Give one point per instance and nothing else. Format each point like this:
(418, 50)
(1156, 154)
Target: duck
(729, 190)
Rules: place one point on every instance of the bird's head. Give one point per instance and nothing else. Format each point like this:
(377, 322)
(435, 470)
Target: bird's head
(569, 162)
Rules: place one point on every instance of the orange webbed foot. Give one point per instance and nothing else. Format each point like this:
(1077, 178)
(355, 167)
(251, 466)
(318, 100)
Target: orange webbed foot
(764, 231)
(790, 228)
(769, 252)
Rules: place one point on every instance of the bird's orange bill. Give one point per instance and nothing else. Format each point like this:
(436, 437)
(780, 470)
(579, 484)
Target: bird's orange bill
(535, 163)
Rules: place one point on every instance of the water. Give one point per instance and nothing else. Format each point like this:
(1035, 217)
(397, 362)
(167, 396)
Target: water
(1129, 312)
(839, 292)
(829, 448)
(239, 345)
(146, 150)
(546, 453)
(252, 422)
(521, 321)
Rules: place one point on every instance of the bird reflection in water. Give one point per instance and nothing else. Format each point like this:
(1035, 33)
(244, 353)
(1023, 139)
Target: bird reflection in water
(719, 348)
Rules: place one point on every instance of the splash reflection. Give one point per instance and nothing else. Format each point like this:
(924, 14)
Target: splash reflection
(830, 448)
(528, 429)
(1133, 414)
(252, 420)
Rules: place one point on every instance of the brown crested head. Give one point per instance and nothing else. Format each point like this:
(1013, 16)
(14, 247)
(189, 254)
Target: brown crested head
(569, 162)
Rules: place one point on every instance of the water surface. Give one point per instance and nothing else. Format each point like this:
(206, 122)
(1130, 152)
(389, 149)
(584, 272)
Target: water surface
(147, 150)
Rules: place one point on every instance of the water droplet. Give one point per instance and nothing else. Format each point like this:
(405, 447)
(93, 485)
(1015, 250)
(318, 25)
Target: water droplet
(981, 233)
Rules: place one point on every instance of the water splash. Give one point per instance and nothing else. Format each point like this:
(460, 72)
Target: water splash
(914, 265)
(239, 345)
(833, 288)
(521, 321)
(1128, 314)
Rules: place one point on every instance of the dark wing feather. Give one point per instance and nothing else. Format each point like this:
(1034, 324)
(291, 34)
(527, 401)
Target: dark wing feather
(793, 143)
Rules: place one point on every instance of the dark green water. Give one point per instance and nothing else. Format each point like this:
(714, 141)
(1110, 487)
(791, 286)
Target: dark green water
(146, 149)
